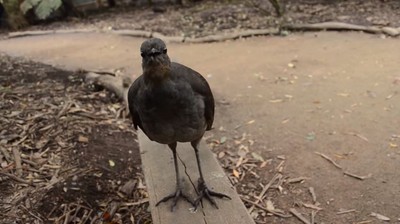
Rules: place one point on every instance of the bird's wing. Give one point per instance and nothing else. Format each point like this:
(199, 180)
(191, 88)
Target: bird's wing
(132, 96)
(200, 86)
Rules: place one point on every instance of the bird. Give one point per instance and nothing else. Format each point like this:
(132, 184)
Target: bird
(173, 103)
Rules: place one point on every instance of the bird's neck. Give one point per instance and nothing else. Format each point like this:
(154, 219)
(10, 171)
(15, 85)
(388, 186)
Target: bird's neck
(156, 73)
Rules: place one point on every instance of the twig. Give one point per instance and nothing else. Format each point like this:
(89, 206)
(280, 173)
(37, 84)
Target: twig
(313, 195)
(329, 159)
(299, 216)
(6, 154)
(265, 209)
(312, 206)
(17, 159)
(37, 217)
(97, 72)
(135, 203)
(345, 212)
(356, 176)
(296, 180)
(266, 187)
(30, 162)
(313, 214)
(358, 135)
(18, 179)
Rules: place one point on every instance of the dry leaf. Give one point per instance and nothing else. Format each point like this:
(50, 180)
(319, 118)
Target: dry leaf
(243, 150)
(251, 122)
(263, 164)
(251, 142)
(257, 156)
(222, 140)
(111, 163)
(270, 206)
(221, 155)
(236, 173)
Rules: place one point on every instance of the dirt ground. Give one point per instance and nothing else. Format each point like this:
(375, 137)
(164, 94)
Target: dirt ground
(283, 103)
(77, 153)
(211, 17)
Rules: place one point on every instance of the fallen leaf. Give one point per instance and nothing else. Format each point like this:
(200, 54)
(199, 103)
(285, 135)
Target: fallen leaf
(111, 163)
(222, 140)
(141, 185)
(393, 145)
(236, 173)
(257, 156)
(251, 122)
(251, 142)
(239, 162)
(4, 164)
(310, 136)
(391, 95)
(221, 155)
(263, 164)
(270, 206)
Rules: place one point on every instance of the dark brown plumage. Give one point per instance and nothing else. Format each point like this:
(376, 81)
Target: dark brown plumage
(172, 103)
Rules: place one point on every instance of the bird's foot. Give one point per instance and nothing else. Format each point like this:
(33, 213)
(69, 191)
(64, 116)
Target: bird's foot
(175, 197)
(208, 194)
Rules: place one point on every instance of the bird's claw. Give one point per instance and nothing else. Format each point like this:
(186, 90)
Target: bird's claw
(208, 194)
(175, 196)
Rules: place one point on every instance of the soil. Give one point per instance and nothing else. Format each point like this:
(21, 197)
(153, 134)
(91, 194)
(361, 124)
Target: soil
(212, 17)
(79, 149)
(279, 101)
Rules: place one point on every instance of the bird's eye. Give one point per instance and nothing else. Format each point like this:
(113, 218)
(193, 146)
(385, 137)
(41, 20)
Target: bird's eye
(164, 51)
(142, 54)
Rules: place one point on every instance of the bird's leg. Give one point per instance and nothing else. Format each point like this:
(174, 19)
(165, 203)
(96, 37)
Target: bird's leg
(204, 191)
(178, 193)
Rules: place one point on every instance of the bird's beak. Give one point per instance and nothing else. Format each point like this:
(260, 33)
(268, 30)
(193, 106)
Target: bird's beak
(153, 50)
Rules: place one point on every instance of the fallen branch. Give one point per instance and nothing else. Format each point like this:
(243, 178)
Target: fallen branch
(47, 32)
(356, 176)
(345, 212)
(339, 26)
(336, 26)
(118, 85)
(329, 159)
(232, 36)
(18, 179)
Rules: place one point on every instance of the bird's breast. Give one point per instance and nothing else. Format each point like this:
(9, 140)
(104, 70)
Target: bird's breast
(172, 113)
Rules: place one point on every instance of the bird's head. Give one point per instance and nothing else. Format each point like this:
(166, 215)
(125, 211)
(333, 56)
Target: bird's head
(155, 60)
